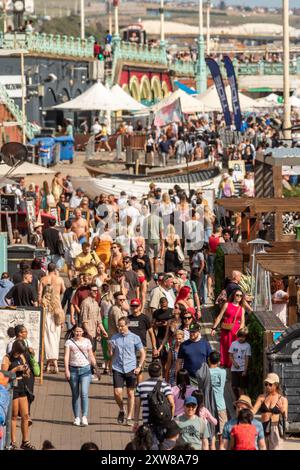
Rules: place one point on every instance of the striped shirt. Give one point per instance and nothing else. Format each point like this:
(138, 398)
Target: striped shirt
(144, 388)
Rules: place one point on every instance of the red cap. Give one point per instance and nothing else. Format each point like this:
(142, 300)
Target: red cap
(135, 302)
(191, 310)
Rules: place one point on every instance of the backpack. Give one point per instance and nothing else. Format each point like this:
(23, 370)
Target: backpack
(159, 407)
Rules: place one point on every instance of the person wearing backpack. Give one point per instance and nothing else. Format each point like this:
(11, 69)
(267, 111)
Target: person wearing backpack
(156, 398)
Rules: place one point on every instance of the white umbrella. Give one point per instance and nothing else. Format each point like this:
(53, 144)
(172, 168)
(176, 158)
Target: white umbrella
(211, 102)
(294, 101)
(189, 105)
(125, 100)
(24, 169)
(96, 98)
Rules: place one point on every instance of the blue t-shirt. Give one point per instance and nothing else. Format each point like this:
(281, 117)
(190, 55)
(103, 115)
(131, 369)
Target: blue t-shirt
(229, 425)
(194, 354)
(125, 348)
(218, 379)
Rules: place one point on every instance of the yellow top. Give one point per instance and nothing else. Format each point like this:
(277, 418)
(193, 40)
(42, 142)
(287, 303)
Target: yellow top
(91, 262)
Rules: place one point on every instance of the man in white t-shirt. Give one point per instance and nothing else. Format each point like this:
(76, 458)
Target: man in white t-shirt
(239, 353)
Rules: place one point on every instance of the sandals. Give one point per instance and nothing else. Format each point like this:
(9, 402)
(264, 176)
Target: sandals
(13, 446)
(27, 446)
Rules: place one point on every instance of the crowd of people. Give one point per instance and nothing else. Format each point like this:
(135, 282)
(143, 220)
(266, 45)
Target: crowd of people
(134, 276)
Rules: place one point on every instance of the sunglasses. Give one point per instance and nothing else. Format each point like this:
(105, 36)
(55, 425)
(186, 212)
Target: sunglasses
(238, 295)
(187, 318)
(94, 290)
(267, 384)
(122, 300)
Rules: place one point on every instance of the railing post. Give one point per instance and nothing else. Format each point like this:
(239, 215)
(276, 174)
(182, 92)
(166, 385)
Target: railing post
(71, 45)
(50, 43)
(58, 44)
(261, 67)
(65, 44)
(298, 65)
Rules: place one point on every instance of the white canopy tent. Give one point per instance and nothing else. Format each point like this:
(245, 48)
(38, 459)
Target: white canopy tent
(126, 100)
(24, 169)
(268, 101)
(96, 98)
(211, 102)
(189, 105)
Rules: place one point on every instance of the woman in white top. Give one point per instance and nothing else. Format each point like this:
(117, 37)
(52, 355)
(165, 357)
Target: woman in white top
(248, 185)
(78, 360)
(101, 277)
(167, 208)
(69, 237)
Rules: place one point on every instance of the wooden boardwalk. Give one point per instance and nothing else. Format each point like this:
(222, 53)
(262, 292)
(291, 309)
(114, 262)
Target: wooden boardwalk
(52, 415)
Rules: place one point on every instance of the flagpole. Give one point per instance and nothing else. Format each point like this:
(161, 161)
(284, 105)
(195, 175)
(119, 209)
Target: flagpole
(201, 79)
(286, 71)
(82, 19)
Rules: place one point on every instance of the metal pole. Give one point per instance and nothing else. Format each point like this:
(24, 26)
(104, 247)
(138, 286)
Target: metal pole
(208, 5)
(4, 17)
(162, 22)
(82, 19)
(286, 71)
(201, 79)
(23, 84)
(117, 21)
(110, 26)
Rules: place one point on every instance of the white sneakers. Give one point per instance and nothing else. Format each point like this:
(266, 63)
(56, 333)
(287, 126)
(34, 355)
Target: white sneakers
(84, 421)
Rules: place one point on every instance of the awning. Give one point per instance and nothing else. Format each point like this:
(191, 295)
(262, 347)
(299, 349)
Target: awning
(185, 88)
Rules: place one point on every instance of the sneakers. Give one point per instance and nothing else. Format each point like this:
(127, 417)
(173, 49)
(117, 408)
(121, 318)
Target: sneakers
(129, 422)
(27, 446)
(121, 417)
(95, 379)
(84, 421)
(76, 422)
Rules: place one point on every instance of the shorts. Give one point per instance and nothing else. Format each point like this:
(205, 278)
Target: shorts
(238, 381)
(20, 390)
(210, 264)
(152, 250)
(121, 379)
(222, 420)
(141, 279)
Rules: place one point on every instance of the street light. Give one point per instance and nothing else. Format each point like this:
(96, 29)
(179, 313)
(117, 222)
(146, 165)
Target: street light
(286, 71)
(82, 19)
(162, 23)
(201, 80)
(208, 6)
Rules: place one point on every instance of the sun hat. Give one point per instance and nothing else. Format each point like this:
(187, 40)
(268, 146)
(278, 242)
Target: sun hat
(245, 400)
(272, 378)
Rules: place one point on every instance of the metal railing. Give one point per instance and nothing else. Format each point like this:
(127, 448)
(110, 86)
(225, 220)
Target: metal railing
(50, 44)
(16, 112)
(141, 53)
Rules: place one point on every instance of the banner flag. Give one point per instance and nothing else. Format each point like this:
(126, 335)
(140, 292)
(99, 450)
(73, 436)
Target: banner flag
(234, 92)
(169, 113)
(217, 77)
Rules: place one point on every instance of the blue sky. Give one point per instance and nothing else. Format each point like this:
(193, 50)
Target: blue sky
(265, 3)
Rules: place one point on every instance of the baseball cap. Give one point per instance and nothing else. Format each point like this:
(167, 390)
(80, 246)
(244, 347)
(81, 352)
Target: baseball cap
(79, 190)
(168, 276)
(245, 400)
(135, 302)
(272, 378)
(195, 327)
(191, 401)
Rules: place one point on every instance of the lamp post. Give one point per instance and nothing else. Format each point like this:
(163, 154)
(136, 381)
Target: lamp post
(116, 36)
(286, 71)
(201, 80)
(4, 17)
(162, 23)
(82, 19)
(109, 11)
(208, 6)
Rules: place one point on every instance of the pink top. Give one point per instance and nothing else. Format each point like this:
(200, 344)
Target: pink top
(232, 314)
(179, 402)
(205, 414)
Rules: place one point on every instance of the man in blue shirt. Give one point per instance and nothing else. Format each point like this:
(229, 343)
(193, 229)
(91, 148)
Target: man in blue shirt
(123, 348)
(243, 402)
(193, 353)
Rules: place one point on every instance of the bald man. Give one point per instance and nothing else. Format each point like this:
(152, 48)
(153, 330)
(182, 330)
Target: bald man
(233, 285)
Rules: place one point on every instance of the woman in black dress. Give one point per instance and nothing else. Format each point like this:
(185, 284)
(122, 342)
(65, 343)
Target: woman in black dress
(172, 241)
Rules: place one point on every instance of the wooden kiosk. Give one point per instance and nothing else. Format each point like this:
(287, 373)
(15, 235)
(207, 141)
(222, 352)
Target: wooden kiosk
(283, 257)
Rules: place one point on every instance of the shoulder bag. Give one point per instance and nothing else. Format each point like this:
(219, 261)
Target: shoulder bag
(93, 369)
(229, 326)
(180, 254)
